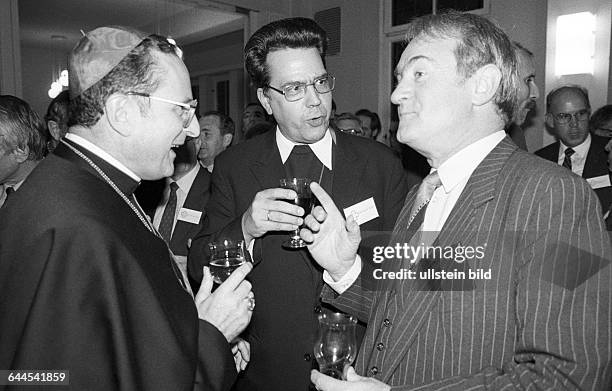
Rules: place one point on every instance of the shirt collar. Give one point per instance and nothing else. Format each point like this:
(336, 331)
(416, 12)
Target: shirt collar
(322, 148)
(186, 181)
(461, 165)
(581, 150)
(102, 154)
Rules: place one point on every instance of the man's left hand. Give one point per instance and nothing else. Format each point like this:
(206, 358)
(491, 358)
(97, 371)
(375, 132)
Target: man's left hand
(353, 382)
(241, 350)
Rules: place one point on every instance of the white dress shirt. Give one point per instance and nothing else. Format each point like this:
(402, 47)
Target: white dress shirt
(578, 158)
(454, 175)
(322, 148)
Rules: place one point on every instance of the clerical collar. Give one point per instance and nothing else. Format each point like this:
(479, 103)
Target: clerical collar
(101, 154)
(322, 148)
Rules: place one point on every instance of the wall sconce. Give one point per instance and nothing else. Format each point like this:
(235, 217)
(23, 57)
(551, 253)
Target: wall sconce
(575, 44)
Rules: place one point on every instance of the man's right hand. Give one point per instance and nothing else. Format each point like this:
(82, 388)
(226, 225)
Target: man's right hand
(227, 308)
(332, 241)
(268, 212)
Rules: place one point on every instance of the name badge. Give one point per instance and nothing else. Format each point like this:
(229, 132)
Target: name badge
(597, 182)
(190, 215)
(363, 211)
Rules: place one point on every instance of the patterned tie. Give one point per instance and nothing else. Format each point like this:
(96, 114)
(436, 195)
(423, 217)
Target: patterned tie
(167, 220)
(567, 162)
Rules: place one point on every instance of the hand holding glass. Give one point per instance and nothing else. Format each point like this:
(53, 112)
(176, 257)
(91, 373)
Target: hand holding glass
(336, 344)
(225, 257)
(304, 199)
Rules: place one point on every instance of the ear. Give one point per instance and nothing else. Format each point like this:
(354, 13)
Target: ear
(121, 112)
(54, 129)
(550, 122)
(485, 82)
(21, 155)
(227, 139)
(264, 100)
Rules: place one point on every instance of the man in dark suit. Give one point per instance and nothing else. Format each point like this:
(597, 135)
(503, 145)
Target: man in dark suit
(285, 62)
(23, 143)
(87, 283)
(532, 307)
(567, 115)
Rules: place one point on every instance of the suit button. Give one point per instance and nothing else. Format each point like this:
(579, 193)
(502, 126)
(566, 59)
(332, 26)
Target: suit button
(386, 322)
(307, 357)
(317, 309)
(373, 371)
(380, 346)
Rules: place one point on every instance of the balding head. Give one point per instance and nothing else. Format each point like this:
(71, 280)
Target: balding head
(567, 114)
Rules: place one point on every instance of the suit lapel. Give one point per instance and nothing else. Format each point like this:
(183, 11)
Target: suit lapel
(347, 170)
(416, 298)
(267, 166)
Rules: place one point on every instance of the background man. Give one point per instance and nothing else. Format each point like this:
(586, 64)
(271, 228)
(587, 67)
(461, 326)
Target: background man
(23, 143)
(81, 262)
(350, 124)
(567, 116)
(216, 134)
(539, 225)
(285, 62)
(253, 114)
(57, 118)
(528, 93)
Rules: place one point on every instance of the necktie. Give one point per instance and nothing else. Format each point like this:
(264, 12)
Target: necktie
(567, 162)
(301, 162)
(167, 220)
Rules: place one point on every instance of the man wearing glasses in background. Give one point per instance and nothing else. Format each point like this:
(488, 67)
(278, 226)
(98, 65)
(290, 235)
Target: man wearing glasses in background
(567, 116)
(285, 60)
(88, 285)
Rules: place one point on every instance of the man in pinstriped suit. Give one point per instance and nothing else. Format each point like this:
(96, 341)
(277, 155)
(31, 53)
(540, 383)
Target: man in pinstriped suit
(542, 318)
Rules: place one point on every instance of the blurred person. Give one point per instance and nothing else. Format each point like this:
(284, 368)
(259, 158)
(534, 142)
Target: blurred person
(528, 93)
(350, 124)
(253, 113)
(23, 143)
(57, 118)
(88, 285)
(601, 121)
(216, 135)
(567, 116)
(370, 123)
(533, 322)
(285, 60)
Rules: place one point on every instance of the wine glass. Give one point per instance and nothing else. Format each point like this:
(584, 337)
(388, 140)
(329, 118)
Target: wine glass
(304, 199)
(336, 344)
(225, 257)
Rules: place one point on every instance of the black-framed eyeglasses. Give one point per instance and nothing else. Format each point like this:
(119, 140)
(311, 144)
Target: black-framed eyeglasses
(297, 91)
(187, 109)
(565, 118)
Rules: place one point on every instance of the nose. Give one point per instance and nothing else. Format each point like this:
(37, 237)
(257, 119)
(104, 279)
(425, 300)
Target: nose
(312, 96)
(400, 92)
(535, 91)
(193, 130)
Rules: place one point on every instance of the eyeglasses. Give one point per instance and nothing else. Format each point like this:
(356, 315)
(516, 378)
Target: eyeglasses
(296, 91)
(355, 132)
(187, 109)
(565, 118)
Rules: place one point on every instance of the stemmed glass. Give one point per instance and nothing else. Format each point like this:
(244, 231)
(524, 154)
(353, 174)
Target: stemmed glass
(304, 199)
(336, 344)
(225, 257)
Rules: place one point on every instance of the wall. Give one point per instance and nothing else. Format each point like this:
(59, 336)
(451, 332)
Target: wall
(37, 69)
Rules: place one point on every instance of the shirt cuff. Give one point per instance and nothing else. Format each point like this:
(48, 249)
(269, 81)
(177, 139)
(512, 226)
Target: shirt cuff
(347, 280)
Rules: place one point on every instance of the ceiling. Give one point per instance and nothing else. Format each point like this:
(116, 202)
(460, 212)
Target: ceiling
(56, 24)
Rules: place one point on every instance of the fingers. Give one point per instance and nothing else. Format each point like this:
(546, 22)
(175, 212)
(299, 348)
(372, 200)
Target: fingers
(323, 382)
(324, 198)
(354, 232)
(236, 278)
(351, 375)
(206, 286)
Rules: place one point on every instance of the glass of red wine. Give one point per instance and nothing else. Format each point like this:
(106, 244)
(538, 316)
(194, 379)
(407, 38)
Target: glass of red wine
(336, 344)
(304, 199)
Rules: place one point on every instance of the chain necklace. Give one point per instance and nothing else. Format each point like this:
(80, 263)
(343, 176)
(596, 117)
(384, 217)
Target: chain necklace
(136, 209)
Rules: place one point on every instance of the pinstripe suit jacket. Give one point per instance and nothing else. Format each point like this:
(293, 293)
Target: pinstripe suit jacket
(543, 319)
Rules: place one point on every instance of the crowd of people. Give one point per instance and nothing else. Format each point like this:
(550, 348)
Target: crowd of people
(108, 207)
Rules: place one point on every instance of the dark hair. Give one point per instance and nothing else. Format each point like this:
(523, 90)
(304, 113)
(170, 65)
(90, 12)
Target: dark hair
(136, 72)
(583, 92)
(374, 120)
(21, 127)
(226, 125)
(294, 33)
(58, 109)
(600, 117)
(520, 48)
(349, 116)
(480, 42)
